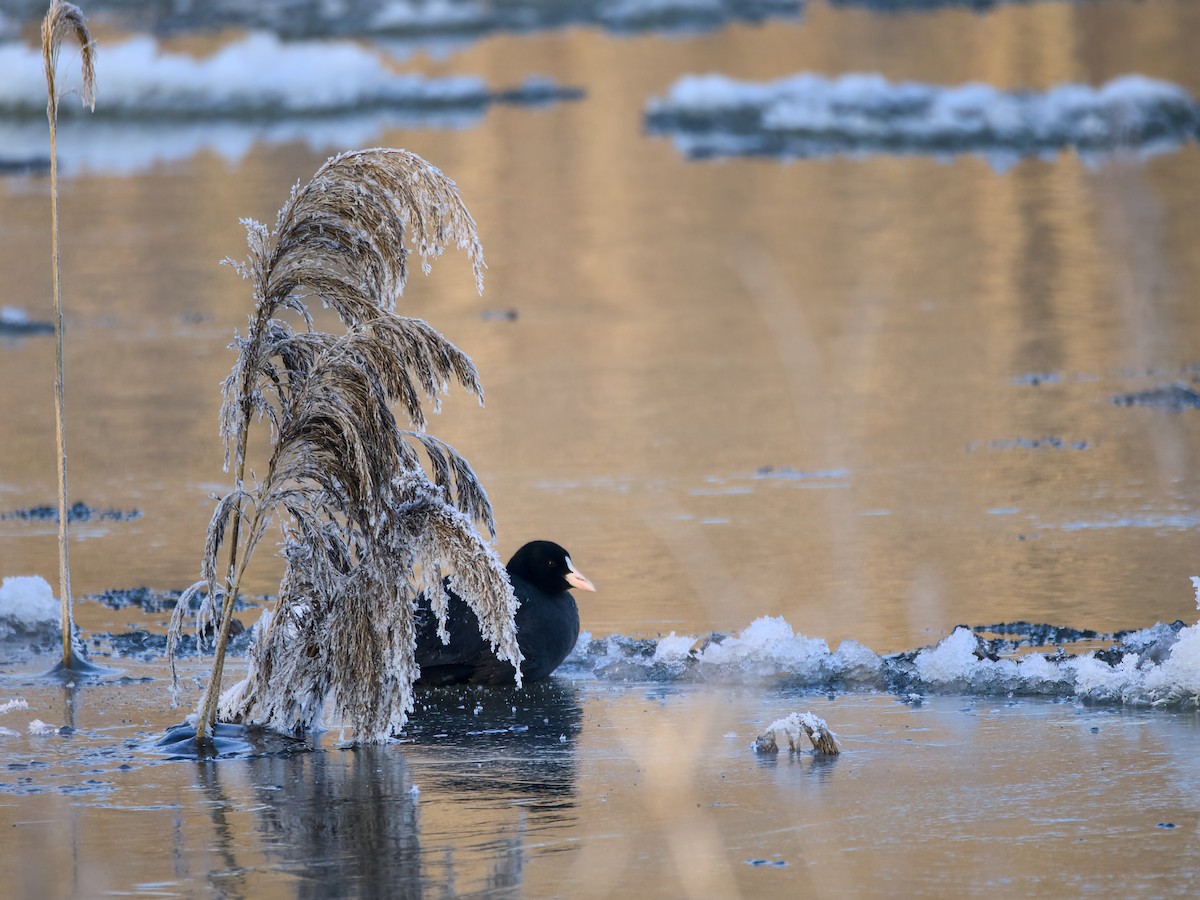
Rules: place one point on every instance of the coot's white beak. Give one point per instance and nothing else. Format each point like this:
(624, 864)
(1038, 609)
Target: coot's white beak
(577, 579)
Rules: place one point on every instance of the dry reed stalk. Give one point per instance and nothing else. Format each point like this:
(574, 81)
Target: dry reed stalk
(63, 20)
(365, 528)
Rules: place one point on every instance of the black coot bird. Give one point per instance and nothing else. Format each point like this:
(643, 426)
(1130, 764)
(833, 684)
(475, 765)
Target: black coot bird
(542, 575)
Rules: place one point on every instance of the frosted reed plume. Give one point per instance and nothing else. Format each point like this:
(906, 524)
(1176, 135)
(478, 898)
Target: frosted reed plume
(63, 20)
(365, 528)
(792, 726)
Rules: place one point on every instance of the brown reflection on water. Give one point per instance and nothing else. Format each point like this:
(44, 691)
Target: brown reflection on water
(682, 326)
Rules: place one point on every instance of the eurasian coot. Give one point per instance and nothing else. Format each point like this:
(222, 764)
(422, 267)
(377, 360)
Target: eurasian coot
(542, 575)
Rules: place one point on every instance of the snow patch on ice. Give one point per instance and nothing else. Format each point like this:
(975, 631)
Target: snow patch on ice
(155, 106)
(27, 607)
(767, 648)
(429, 16)
(259, 75)
(1159, 665)
(808, 115)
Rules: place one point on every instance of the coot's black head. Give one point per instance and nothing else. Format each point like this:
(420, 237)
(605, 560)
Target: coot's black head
(548, 566)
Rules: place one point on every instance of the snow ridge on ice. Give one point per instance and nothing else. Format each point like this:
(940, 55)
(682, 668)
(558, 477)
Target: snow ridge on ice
(258, 76)
(427, 22)
(1155, 666)
(808, 115)
(156, 106)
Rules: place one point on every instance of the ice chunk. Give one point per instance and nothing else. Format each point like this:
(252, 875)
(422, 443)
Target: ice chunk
(951, 660)
(673, 648)
(37, 726)
(767, 646)
(27, 608)
(1177, 678)
(856, 662)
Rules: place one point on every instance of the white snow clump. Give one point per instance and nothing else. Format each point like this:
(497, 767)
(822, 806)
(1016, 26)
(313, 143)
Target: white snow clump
(27, 607)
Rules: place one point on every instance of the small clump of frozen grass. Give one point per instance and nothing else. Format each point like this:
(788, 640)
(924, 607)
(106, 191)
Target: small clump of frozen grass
(27, 608)
(792, 726)
(9, 705)
(37, 726)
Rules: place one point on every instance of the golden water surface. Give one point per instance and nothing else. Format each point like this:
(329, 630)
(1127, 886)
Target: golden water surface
(732, 389)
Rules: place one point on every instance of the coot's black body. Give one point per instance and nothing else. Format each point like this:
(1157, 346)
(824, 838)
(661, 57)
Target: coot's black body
(547, 620)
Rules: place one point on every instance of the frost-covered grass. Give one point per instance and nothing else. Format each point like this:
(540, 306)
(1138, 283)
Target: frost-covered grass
(365, 527)
(792, 727)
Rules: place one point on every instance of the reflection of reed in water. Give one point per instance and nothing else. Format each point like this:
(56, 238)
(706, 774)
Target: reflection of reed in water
(228, 878)
(346, 823)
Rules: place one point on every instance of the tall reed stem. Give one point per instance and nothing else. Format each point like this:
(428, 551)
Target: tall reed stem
(61, 19)
(60, 425)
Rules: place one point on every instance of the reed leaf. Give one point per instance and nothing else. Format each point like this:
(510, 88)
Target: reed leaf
(365, 528)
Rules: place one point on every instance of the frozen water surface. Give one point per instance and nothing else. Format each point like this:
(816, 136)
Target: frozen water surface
(584, 787)
(798, 420)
